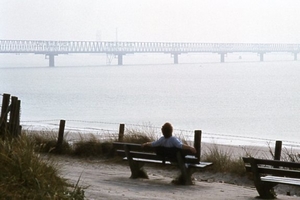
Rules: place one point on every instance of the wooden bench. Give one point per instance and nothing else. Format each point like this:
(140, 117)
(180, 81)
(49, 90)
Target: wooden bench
(137, 156)
(268, 173)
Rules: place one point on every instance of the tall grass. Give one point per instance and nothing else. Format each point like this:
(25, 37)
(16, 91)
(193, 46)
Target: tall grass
(139, 136)
(223, 160)
(91, 147)
(24, 174)
(45, 141)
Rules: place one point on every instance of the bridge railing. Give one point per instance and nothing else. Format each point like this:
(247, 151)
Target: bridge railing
(38, 46)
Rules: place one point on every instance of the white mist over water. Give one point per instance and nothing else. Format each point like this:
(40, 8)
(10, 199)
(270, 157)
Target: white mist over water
(242, 99)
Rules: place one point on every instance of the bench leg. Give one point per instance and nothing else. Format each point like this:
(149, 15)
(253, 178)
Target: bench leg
(185, 176)
(265, 190)
(137, 170)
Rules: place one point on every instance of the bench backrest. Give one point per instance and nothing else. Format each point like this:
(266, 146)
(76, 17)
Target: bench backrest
(272, 167)
(154, 153)
(137, 147)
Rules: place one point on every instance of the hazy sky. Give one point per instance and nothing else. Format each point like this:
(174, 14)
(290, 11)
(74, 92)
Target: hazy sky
(254, 21)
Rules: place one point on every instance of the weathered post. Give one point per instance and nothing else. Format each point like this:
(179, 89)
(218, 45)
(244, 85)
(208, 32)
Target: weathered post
(17, 127)
(60, 136)
(14, 116)
(4, 112)
(19, 117)
(197, 143)
(278, 147)
(121, 132)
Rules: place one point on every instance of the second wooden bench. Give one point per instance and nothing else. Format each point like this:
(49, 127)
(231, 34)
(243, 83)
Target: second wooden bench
(268, 173)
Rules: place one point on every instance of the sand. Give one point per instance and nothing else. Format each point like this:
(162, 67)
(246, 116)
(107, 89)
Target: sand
(107, 180)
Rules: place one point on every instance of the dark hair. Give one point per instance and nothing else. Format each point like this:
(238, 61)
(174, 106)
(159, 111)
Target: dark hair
(167, 130)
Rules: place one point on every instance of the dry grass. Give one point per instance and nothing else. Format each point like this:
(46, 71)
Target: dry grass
(24, 174)
(139, 136)
(45, 141)
(290, 155)
(91, 147)
(223, 160)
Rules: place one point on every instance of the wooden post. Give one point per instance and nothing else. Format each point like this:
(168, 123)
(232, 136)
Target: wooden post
(18, 126)
(60, 136)
(197, 143)
(17, 130)
(14, 116)
(121, 132)
(4, 112)
(278, 147)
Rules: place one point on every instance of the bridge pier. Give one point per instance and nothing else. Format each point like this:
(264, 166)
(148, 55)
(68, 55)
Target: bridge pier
(222, 57)
(261, 55)
(51, 59)
(175, 55)
(295, 55)
(120, 59)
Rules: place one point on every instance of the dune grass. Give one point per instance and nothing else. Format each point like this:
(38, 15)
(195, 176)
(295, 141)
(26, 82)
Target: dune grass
(45, 141)
(24, 174)
(91, 147)
(223, 160)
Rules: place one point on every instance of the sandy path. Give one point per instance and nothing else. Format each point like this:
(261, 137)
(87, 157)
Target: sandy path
(111, 181)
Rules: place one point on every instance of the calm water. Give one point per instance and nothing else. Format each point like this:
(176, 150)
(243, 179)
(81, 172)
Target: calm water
(242, 99)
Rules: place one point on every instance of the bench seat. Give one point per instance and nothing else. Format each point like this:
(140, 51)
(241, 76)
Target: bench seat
(281, 180)
(153, 156)
(158, 161)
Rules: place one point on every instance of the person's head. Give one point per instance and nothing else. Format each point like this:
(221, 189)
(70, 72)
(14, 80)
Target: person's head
(167, 130)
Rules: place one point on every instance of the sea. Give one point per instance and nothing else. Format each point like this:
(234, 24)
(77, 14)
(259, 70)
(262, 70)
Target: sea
(241, 101)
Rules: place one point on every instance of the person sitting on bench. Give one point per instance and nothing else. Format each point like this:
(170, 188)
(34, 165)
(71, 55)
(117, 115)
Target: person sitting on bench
(167, 140)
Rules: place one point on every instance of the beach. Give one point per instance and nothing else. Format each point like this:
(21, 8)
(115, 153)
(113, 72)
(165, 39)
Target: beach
(109, 180)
